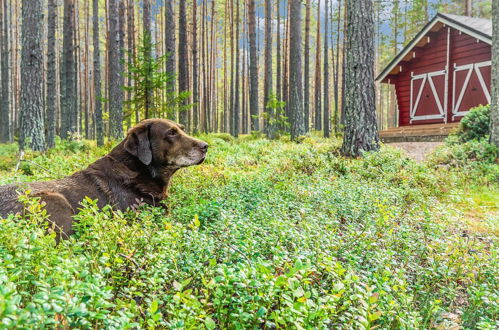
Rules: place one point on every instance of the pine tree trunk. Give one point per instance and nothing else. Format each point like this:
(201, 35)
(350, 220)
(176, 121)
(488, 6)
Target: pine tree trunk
(51, 73)
(325, 122)
(468, 10)
(32, 116)
(494, 113)
(99, 125)
(148, 102)
(295, 71)
(317, 98)
(285, 71)
(183, 73)
(230, 121)
(306, 76)
(278, 86)
(170, 40)
(337, 72)
(268, 65)
(236, 110)
(195, 83)
(253, 100)
(343, 55)
(131, 50)
(361, 133)
(86, 89)
(69, 115)
(115, 91)
(213, 107)
(5, 120)
(122, 54)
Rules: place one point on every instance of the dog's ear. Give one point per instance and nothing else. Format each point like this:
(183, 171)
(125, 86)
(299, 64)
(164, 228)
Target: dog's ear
(137, 143)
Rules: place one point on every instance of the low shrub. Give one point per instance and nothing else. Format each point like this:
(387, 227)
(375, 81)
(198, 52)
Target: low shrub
(265, 234)
(475, 125)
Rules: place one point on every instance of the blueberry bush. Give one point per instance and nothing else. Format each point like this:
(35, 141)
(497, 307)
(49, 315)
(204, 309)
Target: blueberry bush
(264, 234)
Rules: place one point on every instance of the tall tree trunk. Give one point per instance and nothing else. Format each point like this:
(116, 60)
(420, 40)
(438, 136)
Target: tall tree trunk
(306, 76)
(278, 86)
(131, 52)
(86, 89)
(361, 133)
(325, 91)
(69, 116)
(206, 80)
(236, 110)
(317, 98)
(468, 10)
(494, 111)
(5, 119)
(230, 122)
(115, 91)
(268, 64)
(285, 70)
(253, 101)
(51, 73)
(195, 83)
(148, 102)
(343, 55)
(213, 89)
(336, 72)
(226, 94)
(183, 73)
(99, 125)
(32, 116)
(170, 41)
(295, 71)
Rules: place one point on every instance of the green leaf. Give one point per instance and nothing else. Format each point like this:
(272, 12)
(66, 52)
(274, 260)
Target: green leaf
(209, 323)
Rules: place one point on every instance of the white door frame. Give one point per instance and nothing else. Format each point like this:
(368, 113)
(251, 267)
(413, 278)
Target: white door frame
(473, 67)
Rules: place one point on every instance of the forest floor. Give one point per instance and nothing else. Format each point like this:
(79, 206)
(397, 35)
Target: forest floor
(266, 234)
(416, 150)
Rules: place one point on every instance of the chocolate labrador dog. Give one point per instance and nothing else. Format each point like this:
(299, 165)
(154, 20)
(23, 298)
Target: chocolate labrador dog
(137, 171)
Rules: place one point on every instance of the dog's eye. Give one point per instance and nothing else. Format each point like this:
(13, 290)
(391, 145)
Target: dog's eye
(172, 132)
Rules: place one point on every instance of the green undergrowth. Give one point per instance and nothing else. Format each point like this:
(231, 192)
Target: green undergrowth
(264, 234)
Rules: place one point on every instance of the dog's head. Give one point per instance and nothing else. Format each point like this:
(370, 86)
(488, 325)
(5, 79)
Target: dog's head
(163, 144)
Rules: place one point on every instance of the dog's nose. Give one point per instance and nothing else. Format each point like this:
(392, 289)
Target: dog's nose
(203, 146)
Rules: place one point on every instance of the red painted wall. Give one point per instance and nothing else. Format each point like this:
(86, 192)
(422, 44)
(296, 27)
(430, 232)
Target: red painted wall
(464, 49)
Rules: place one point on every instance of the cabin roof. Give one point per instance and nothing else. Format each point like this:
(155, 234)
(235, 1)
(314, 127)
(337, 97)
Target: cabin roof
(479, 28)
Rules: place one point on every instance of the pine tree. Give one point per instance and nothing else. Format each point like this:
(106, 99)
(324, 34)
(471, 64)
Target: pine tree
(32, 114)
(295, 71)
(268, 64)
(170, 39)
(236, 108)
(99, 125)
(194, 67)
(253, 70)
(306, 75)
(147, 44)
(115, 78)
(183, 73)
(317, 85)
(325, 122)
(51, 97)
(361, 133)
(69, 114)
(5, 120)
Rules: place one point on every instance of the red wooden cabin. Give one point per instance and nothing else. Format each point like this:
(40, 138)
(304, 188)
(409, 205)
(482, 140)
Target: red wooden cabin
(443, 72)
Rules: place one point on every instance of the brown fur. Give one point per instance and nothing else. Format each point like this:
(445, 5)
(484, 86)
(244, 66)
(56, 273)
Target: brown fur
(136, 171)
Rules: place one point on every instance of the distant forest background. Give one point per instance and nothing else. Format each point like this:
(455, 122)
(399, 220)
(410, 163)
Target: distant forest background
(213, 65)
